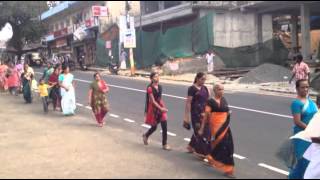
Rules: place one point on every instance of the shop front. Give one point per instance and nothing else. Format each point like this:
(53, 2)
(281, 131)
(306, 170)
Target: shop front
(84, 43)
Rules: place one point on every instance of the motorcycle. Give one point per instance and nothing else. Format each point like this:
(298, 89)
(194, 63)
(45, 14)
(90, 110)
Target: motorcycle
(113, 68)
(82, 65)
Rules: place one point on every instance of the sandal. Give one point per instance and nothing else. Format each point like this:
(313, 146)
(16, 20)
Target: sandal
(145, 139)
(190, 150)
(166, 147)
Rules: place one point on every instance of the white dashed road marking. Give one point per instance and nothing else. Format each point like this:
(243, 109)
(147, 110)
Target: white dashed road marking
(274, 169)
(78, 104)
(239, 156)
(128, 120)
(146, 126)
(170, 133)
(187, 139)
(114, 115)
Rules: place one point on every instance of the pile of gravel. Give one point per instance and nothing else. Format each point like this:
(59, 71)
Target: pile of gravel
(266, 73)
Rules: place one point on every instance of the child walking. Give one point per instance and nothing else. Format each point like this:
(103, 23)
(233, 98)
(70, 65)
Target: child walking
(44, 94)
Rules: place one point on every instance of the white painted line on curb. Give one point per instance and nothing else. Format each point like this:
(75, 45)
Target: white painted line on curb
(114, 115)
(146, 126)
(274, 169)
(88, 107)
(239, 157)
(187, 139)
(170, 133)
(78, 104)
(129, 120)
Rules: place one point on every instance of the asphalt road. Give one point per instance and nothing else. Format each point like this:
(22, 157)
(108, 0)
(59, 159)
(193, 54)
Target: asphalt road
(259, 123)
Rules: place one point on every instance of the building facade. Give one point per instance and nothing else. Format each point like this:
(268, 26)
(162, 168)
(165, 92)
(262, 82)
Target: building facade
(74, 29)
(64, 20)
(236, 23)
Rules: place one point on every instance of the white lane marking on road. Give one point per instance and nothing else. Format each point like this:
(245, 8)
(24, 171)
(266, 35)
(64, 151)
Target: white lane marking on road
(261, 112)
(178, 97)
(88, 107)
(187, 139)
(129, 120)
(78, 104)
(170, 133)
(274, 169)
(146, 126)
(114, 115)
(239, 156)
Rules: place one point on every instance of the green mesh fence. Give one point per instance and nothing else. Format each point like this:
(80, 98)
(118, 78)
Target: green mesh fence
(202, 34)
(102, 57)
(272, 51)
(176, 42)
(182, 41)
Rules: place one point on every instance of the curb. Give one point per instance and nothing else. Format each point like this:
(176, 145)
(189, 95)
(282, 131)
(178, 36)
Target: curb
(106, 69)
(314, 94)
(285, 92)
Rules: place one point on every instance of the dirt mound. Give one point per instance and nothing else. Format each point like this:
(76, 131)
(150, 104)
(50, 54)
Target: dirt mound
(266, 73)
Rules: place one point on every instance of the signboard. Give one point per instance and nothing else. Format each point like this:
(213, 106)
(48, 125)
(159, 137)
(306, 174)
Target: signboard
(80, 33)
(127, 34)
(60, 33)
(108, 45)
(91, 22)
(123, 27)
(130, 39)
(88, 23)
(61, 43)
(98, 11)
(174, 66)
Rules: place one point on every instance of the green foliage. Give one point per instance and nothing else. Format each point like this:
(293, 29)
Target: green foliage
(24, 19)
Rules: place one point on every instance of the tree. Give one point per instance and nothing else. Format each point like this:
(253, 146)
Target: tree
(24, 17)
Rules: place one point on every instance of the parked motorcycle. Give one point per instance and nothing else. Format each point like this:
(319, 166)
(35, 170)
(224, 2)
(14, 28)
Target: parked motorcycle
(82, 64)
(113, 68)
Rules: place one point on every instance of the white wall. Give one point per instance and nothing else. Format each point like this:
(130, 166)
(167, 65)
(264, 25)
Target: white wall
(267, 29)
(236, 29)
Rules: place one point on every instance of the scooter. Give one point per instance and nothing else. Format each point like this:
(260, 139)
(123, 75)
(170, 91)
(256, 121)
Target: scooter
(113, 68)
(82, 65)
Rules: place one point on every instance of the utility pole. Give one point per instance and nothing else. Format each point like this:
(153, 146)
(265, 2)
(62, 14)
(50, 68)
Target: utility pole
(127, 8)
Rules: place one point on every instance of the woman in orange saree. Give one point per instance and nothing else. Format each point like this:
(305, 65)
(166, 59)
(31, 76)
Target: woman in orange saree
(217, 116)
